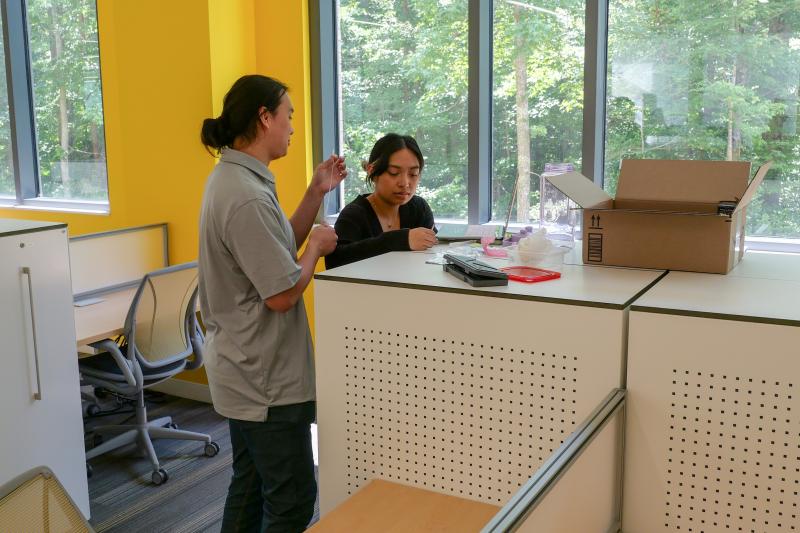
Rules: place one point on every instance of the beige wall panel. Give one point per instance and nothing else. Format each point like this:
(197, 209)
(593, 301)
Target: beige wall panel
(111, 259)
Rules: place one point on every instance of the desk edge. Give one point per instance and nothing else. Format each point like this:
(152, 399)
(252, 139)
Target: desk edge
(716, 316)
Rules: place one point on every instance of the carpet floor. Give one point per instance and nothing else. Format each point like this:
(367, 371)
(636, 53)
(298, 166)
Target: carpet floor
(123, 499)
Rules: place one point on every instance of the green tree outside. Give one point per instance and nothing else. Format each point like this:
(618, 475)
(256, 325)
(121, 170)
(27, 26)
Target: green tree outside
(686, 80)
(67, 101)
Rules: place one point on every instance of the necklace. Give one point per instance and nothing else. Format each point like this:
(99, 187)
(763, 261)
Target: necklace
(387, 224)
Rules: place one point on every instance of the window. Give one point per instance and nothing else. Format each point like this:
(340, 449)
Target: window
(496, 90)
(7, 189)
(403, 70)
(709, 80)
(537, 100)
(55, 155)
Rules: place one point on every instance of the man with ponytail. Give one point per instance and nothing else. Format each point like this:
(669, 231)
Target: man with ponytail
(258, 351)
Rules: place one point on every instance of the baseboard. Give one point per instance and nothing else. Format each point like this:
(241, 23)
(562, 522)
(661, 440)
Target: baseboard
(184, 389)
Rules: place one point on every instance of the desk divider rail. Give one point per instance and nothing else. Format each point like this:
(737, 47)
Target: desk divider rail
(522, 504)
(128, 283)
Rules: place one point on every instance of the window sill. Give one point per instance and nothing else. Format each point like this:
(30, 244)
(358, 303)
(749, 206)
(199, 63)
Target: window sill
(64, 206)
(772, 244)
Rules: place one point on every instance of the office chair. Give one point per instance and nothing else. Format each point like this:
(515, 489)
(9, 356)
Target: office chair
(161, 338)
(36, 501)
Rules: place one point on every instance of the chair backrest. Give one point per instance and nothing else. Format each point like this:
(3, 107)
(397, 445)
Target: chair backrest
(160, 322)
(36, 501)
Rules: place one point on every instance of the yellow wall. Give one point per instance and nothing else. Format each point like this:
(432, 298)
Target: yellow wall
(155, 94)
(165, 67)
(232, 47)
(283, 53)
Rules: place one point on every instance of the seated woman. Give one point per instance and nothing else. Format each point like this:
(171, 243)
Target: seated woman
(392, 217)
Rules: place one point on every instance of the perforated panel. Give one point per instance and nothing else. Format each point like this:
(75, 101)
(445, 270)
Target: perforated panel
(734, 454)
(477, 419)
(712, 438)
(459, 394)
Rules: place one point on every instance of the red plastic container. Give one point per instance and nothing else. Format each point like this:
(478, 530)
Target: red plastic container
(528, 274)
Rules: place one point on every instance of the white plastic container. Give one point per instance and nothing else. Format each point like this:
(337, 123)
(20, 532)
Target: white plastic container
(552, 259)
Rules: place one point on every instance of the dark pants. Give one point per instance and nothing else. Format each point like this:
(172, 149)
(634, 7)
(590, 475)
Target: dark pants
(273, 487)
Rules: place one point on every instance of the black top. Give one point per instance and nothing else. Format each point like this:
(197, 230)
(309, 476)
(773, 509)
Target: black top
(361, 236)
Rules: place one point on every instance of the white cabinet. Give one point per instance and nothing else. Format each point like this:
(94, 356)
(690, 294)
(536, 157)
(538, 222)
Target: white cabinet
(40, 411)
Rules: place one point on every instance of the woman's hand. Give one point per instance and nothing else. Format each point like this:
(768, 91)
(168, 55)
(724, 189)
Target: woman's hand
(421, 238)
(328, 174)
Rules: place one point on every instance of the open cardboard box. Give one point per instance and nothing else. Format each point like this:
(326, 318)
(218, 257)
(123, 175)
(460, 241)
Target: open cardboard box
(674, 215)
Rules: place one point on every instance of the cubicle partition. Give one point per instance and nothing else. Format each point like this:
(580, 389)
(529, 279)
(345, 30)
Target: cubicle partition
(466, 391)
(112, 260)
(428, 382)
(713, 425)
(579, 488)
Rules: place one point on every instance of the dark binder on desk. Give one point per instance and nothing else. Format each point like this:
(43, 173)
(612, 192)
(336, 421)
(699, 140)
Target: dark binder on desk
(474, 272)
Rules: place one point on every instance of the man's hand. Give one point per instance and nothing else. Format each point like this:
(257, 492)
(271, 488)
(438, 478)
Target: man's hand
(323, 239)
(328, 174)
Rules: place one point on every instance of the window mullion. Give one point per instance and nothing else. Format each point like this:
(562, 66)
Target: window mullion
(325, 93)
(594, 89)
(23, 132)
(479, 181)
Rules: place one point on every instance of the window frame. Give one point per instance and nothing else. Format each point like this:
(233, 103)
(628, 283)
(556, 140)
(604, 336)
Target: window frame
(327, 120)
(326, 130)
(22, 119)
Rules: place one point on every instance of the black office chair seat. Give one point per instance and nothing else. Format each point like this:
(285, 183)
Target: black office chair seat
(103, 366)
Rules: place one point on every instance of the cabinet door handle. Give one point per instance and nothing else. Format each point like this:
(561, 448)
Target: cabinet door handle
(38, 394)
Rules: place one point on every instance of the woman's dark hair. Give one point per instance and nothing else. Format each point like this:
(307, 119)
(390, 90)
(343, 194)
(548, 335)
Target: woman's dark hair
(383, 150)
(240, 111)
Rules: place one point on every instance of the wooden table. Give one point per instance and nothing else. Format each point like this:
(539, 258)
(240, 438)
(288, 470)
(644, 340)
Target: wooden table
(395, 508)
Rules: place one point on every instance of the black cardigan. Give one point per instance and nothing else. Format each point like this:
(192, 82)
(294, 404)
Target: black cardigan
(361, 236)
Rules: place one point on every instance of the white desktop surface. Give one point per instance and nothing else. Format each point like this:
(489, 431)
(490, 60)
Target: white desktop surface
(10, 226)
(756, 290)
(768, 265)
(105, 319)
(579, 284)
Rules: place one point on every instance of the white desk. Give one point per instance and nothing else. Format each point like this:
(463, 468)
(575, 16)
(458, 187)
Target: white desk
(103, 320)
(768, 265)
(713, 423)
(427, 381)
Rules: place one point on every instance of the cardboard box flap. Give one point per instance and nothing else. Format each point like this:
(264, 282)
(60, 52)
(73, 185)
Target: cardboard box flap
(682, 181)
(579, 188)
(751, 189)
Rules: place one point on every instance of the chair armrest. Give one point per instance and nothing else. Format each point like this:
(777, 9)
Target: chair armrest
(107, 345)
(196, 339)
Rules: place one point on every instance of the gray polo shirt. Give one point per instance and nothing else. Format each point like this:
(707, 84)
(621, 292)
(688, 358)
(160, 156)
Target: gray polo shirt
(254, 357)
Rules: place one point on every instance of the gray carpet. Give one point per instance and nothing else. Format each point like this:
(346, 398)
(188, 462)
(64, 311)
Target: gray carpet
(123, 499)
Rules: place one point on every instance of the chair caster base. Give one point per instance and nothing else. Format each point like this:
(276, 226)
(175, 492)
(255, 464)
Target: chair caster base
(211, 449)
(159, 477)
